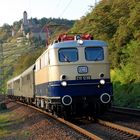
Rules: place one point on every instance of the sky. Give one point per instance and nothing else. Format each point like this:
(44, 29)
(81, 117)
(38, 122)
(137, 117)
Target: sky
(12, 10)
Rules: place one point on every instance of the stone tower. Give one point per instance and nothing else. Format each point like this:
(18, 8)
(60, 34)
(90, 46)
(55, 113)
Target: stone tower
(25, 19)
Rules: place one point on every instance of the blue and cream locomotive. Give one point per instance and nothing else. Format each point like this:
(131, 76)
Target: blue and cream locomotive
(72, 77)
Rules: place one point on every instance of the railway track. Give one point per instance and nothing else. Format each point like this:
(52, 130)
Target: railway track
(126, 117)
(124, 132)
(127, 111)
(69, 124)
(107, 130)
(97, 130)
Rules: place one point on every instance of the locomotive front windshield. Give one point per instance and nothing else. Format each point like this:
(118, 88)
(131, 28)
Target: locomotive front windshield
(68, 55)
(94, 53)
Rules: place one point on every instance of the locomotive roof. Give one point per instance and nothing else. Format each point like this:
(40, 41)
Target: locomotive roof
(75, 44)
(71, 43)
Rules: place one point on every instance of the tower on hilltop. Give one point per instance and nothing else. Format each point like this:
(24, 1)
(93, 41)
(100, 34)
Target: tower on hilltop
(32, 30)
(25, 24)
(25, 19)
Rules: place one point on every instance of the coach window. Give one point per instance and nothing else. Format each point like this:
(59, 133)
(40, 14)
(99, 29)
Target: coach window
(94, 53)
(40, 63)
(68, 55)
(28, 77)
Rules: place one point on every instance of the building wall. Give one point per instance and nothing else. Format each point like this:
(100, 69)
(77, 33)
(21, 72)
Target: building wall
(41, 35)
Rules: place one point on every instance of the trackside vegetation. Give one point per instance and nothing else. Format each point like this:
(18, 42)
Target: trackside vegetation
(5, 122)
(10, 126)
(118, 23)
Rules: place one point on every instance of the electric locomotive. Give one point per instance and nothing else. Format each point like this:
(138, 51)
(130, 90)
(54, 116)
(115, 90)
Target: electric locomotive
(72, 77)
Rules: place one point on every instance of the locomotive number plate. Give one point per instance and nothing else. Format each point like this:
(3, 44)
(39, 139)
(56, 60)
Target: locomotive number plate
(87, 77)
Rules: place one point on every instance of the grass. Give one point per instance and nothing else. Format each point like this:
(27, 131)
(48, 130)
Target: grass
(4, 123)
(7, 121)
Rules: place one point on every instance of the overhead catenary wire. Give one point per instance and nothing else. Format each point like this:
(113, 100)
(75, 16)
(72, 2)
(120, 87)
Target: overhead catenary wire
(57, 6)
(65, 8)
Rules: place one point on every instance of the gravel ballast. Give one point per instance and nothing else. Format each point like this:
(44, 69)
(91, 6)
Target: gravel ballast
(25, 123)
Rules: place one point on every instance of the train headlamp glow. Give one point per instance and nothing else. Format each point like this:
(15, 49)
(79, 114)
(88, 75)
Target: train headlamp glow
(80, 41)
(102, 81)
(64, 83)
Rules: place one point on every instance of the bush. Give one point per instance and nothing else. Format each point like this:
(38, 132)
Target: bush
(127, 95)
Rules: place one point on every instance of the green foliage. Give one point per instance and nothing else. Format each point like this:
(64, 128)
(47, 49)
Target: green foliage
(131, 63)
(117, 22)
(127, 95)
(7, 122)
(127, 79)
(27, 60)
(4, 122)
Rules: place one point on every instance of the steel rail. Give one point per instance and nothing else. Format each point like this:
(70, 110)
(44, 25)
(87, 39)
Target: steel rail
(123, 110)
(119, 127)
(69, 124)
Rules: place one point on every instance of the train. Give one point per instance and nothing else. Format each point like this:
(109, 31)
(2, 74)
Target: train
(70, 78)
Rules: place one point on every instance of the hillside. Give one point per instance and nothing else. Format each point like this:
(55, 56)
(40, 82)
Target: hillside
(117, 22)
(19, 52)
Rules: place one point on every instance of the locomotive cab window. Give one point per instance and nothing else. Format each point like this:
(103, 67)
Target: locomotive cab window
(68, 55)
(94, 53)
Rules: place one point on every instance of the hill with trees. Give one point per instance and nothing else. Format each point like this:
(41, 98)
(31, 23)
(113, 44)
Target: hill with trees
(19, 51)
(118, 23)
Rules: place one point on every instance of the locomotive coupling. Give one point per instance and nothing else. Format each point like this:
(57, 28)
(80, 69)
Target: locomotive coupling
(105, 98)
(66, 100)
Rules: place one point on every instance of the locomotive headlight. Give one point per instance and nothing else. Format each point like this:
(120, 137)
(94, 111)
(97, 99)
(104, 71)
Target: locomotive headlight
(102, 81)
(80, 42)
(64, 83)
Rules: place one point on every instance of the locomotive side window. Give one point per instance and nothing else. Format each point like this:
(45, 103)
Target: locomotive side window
(68, 55)
(42, 61)
(94, 53)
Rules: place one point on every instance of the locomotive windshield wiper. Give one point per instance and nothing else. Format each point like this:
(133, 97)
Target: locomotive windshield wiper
(97, 57)
(65, 58)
